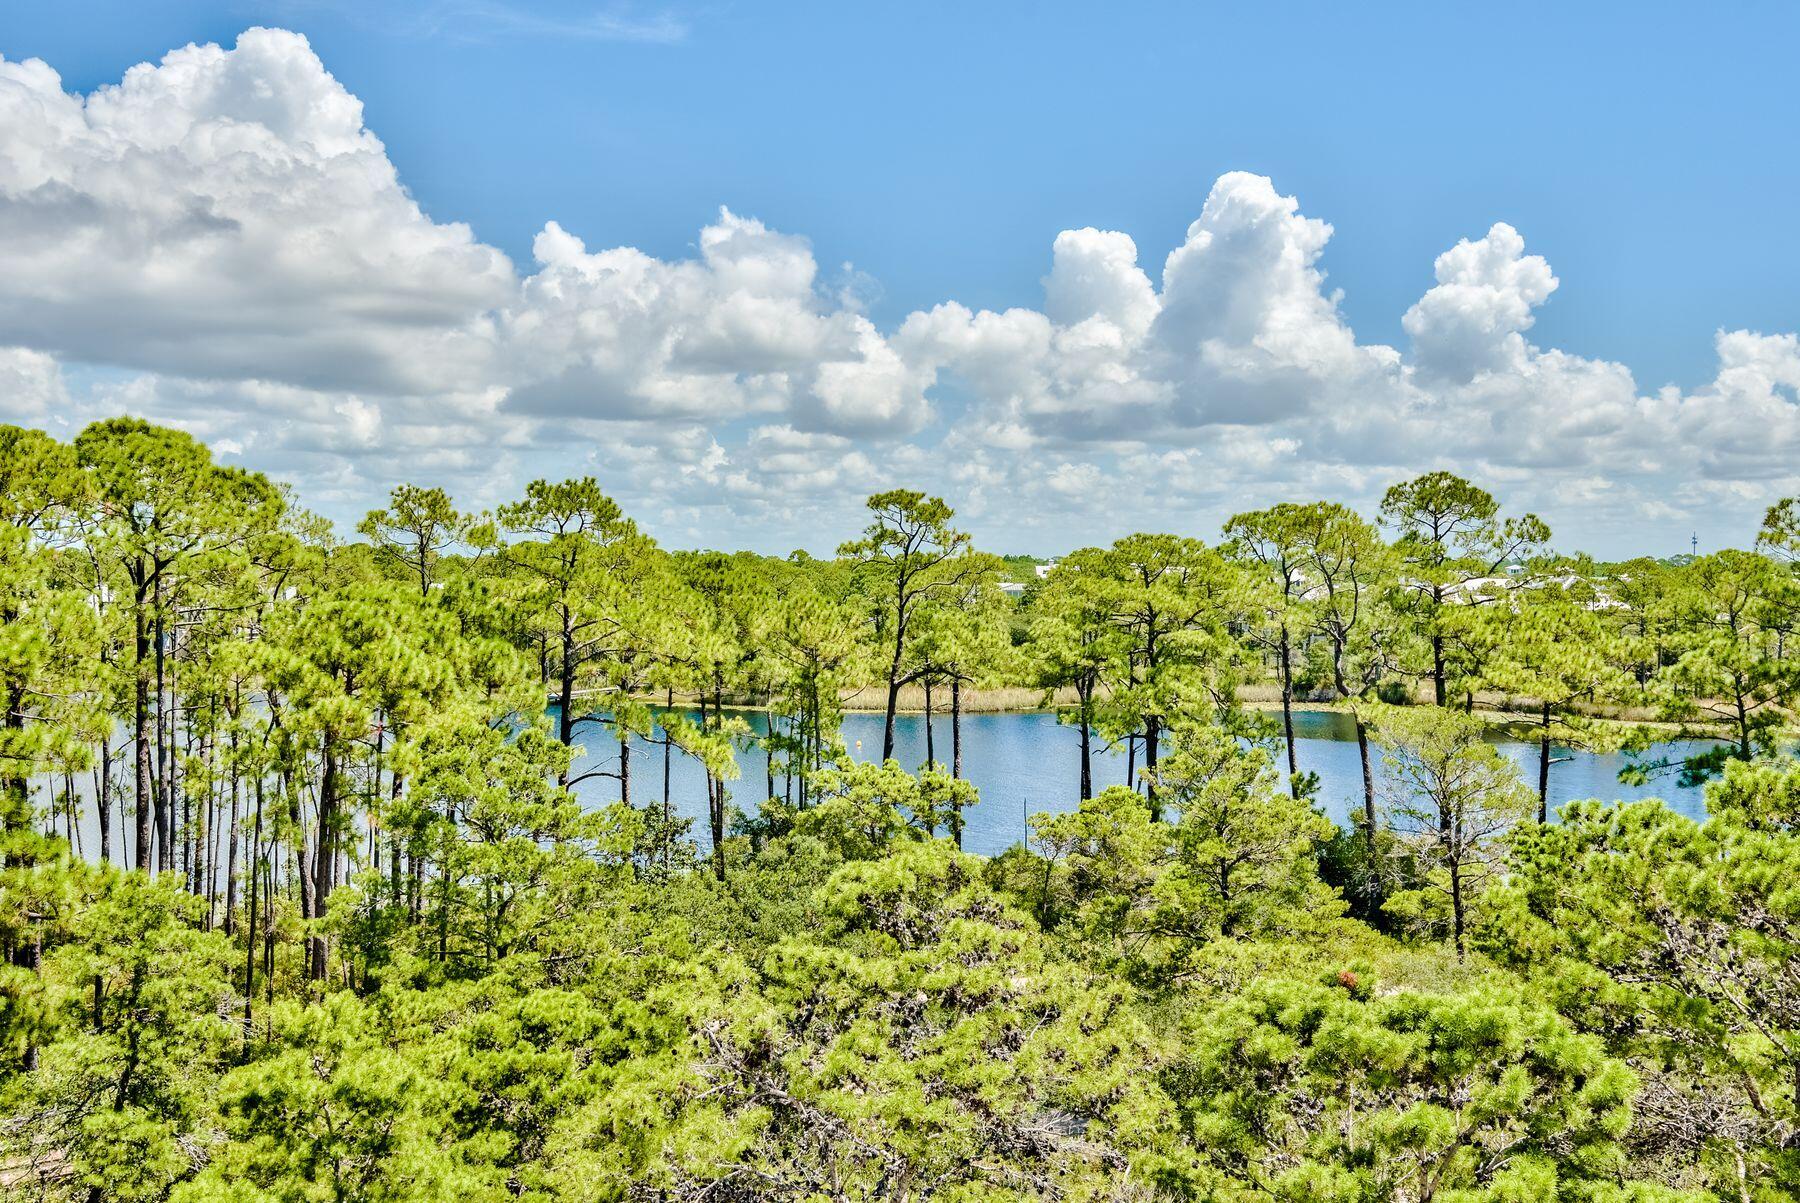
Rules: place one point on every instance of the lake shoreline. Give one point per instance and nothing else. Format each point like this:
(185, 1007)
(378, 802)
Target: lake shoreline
(1028, 763)
(1498, 711)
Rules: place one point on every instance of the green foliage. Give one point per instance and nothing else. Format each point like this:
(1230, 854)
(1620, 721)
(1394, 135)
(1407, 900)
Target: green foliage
(330, 1111)
(1170, 606)
(413, 533)
(133, 1033)
(1451, 544)
(921, 1039)
(1676, 941)
(1153, 898)
(1553, 641)
(1451, 798)
(387, 938)
(908, 557)
(1297, 1091)
(1724, 622)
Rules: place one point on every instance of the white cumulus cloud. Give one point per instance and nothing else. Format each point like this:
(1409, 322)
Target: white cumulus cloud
(220, 242)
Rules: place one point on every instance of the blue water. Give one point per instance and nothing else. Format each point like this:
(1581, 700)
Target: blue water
(1023, 764)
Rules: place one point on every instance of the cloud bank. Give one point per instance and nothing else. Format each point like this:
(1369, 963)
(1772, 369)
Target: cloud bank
(218, 241)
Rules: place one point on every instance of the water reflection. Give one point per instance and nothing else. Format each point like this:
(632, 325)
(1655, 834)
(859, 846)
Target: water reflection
(1025, 763)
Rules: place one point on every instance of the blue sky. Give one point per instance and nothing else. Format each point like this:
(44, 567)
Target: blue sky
(1649, 151)
(1646, 151)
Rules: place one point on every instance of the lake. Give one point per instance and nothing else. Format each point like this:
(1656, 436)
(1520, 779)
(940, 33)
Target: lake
(1026, 763)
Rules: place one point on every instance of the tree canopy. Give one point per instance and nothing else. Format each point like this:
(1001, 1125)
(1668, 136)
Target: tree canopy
(396, 902)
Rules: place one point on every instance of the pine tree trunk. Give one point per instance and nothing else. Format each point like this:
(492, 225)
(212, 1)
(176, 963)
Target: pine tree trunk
(75, 822)
(715, 813)
(375, 793)
(324, 856)
(394, 795)
(415, 881)
(209, 840)
(715, 799)
(34, 962)
(140, 735)
(231, 848)
(164, 802)
(444, 904)
(250, 930)
(565, 718)
(103, 795)
(225, 831)
(1368, 777)
(1087, 743)
(893, 691)
(1544, 768)
(930, 748)
(269, 923)
(1458, 921)
(15, 811)
(198, 815)
(1151, 731)
(1287, 712)
(166, 723)
(1437, 668)
(308, 905)
(956, 727)
(805, 753)
(887, 730)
